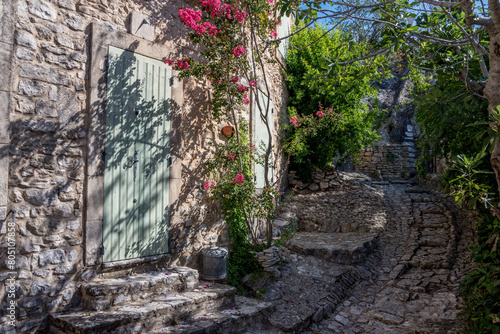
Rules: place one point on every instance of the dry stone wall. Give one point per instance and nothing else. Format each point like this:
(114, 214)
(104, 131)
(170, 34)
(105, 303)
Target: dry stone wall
(44, 77)
(324, 179)
(389, 161)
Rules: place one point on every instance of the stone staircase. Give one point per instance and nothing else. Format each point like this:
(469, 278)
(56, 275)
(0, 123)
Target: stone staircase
(169, 301)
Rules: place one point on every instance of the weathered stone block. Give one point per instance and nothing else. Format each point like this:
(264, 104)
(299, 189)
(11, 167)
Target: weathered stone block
(32, 88)
(26, 39)
(5, 66)
(30, 245)
(34, 302)
(313, 187)
(141, 25)
(44, 73)
(40, 288)
(24, 54)
(63, 210)
(52, 257)
(43, 9)
(64, 40)
(40, 197)
(46, 108)
(75, 22)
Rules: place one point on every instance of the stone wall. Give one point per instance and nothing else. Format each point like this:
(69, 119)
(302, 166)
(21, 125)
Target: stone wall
(324, 179)
(388, 161)
(45, 106)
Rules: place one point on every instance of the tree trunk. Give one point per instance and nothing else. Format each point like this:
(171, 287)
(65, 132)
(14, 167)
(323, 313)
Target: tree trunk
(492, 93)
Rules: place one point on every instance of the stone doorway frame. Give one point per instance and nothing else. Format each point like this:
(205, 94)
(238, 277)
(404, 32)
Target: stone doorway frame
(102, 37)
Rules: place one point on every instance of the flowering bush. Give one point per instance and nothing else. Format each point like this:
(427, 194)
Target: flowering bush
(315, 140)
(231, 34)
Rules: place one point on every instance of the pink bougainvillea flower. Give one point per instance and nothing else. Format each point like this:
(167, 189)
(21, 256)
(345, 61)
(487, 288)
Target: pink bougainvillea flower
(226, 8)
(213, 31)
(186, 65)
(235, 79)
(253, 83)
(213, 183)
(320, 114)
(240, 16)
(206, 185)
(245, 99)
(274, 33)
(169, 61)
(231, 157)
(242, 88)
(239, 178)
(200, 29)
(294, 121)
(238, 51)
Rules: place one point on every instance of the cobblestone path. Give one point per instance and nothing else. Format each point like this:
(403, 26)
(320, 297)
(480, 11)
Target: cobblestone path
(415, 289)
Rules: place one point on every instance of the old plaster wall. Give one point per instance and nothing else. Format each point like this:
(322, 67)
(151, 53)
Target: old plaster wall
(45, 105)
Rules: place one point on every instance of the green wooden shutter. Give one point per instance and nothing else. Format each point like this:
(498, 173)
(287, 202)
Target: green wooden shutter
(261, 135)
(284, 30)
(137, 147)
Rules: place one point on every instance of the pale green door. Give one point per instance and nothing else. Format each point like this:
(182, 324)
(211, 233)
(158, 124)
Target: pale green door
(137, 147)
(261, 135)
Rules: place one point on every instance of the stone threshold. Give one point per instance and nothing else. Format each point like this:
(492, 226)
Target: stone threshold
(125, 264)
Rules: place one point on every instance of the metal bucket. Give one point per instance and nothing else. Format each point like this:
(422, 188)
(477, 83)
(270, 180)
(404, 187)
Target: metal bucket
(214, 263)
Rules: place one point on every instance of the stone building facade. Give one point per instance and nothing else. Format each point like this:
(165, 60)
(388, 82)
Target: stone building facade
(53, 67)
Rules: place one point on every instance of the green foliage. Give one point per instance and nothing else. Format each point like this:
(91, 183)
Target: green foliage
(239, 201)
(443, 113)
(466, 187)
(315, 76)
(318, 81)
(492, 131)
(317, 140)
(481, 287)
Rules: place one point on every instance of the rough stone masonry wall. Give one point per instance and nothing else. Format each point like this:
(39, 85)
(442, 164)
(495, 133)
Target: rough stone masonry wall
(44, 159)
(385, 162)
(324, 179)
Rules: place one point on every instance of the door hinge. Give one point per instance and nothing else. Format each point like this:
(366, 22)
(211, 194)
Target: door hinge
(171, 81)
(102, 250)
(170, 161)
(272, 110)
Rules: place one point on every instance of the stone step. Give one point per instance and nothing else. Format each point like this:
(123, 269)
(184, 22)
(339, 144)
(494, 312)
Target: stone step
(343, 248)
(233, 318)
(145, 315)
(101, 294)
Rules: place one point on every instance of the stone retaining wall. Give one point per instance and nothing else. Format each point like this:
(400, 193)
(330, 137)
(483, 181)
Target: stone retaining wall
(390, 161)
(322, 180)
(45, 75)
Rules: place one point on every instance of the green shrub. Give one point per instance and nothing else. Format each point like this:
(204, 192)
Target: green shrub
(318, 81)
